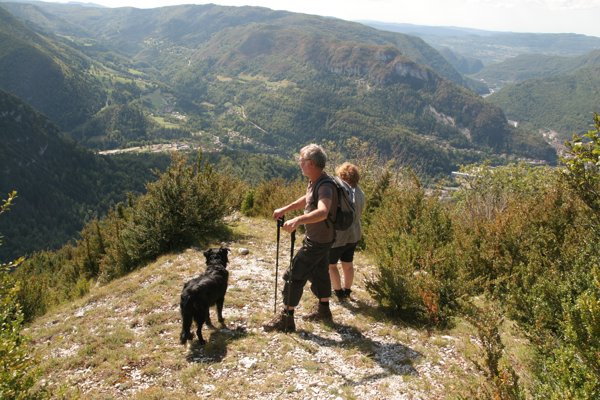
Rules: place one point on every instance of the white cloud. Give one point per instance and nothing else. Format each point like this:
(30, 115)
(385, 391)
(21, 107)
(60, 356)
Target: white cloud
(543, 4)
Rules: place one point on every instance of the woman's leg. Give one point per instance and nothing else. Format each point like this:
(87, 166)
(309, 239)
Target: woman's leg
(348, 269)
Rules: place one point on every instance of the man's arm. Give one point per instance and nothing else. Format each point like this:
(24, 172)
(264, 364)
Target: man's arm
(317, 215)
(295, 205)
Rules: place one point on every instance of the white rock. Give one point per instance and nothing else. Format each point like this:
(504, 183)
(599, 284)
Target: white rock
(248, 362)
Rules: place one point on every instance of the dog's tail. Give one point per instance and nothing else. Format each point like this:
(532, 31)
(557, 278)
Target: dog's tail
(185, 298)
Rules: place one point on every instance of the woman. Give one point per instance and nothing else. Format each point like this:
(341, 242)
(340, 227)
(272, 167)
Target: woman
(345, 242)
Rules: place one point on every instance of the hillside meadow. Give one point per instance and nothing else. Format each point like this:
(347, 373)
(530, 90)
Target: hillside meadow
(512, 254)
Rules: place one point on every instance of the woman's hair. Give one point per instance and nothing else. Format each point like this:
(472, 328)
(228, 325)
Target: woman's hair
(315, 153)
(349, 173)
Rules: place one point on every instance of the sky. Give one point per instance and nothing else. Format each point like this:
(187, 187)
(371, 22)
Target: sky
(541, 16)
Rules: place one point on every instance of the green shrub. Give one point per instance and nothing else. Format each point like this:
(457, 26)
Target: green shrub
(411, 238)
(186, 205)
(17, 374)
(269, 195)
(501, 380)
(583, 167)
(527, 237)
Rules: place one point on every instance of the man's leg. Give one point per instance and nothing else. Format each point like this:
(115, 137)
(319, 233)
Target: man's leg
(294, 281)
(321, 287)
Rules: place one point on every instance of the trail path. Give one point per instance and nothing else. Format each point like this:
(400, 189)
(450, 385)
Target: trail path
(121, 341)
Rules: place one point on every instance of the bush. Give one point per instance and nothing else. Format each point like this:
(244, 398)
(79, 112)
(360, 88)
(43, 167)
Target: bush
(502, 382)
(526, 237)
(17, 374)
(583, 167)
(269, 195)
(411, 237)
(186, 205)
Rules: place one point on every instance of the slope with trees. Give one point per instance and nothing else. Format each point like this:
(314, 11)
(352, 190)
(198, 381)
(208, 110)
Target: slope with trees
(50, 76)
(263, 80)
(561, 103)
(58, 183)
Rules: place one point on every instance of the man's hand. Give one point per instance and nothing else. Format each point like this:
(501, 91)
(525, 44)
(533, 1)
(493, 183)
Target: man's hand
(291, 224)
(278, 213)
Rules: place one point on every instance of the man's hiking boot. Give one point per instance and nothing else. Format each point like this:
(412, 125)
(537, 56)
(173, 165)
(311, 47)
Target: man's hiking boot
(283, 322)
(340, 294)
(347, 293)
(320, 313)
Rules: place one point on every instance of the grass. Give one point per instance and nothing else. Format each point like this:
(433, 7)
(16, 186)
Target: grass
(121, 341)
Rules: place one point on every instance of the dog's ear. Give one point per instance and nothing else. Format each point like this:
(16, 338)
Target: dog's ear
(223, 254)
(207, 253)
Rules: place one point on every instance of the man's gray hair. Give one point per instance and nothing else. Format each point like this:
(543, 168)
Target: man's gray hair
(315, 153)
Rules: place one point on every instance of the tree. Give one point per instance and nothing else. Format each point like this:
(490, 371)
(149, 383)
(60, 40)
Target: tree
(16, 367)
(583, 166)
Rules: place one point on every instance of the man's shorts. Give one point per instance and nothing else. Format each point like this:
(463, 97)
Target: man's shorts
(343, 253)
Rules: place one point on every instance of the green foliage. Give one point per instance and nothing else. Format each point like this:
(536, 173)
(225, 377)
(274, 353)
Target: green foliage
(185, 206)
(17, 374)
(269, 195)
(418, 268)
(583, 167)
(526, 240)
(186, 203)
(502, 382)
(524, 236)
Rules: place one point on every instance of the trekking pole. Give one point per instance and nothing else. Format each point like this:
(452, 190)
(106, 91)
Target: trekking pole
(279, 225)
(289, 280)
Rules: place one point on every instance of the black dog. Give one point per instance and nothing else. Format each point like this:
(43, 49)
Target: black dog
(204, 291)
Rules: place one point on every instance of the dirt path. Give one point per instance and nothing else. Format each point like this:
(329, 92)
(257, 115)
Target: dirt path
(121, 341)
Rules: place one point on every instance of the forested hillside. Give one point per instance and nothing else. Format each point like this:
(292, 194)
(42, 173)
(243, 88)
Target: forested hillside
(535, 66)
(493, 47)
(59, 185)
(561, 102)
(48, 75)
(265, 81)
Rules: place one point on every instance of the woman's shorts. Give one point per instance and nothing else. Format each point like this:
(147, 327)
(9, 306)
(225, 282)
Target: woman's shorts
(343, 253)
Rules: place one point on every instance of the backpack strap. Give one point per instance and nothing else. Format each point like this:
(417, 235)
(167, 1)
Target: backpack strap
(315, 196)
(327, 179)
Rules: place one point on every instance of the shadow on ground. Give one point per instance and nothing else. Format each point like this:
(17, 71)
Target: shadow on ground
(215, 349)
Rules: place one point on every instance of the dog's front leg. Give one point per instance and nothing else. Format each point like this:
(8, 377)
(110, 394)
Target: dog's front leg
(200, 319)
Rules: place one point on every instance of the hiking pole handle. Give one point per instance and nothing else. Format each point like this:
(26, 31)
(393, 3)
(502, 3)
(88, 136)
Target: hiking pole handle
(280, 222)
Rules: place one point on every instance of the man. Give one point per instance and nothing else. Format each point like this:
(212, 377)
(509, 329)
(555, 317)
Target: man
(311, 262)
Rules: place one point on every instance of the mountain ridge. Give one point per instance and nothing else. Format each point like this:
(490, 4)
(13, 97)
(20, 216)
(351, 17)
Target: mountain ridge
(238, 57)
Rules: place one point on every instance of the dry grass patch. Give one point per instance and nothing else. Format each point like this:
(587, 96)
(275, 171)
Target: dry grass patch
(121, 342)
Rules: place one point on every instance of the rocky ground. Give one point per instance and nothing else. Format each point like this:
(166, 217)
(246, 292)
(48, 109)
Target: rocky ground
(121, 341)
